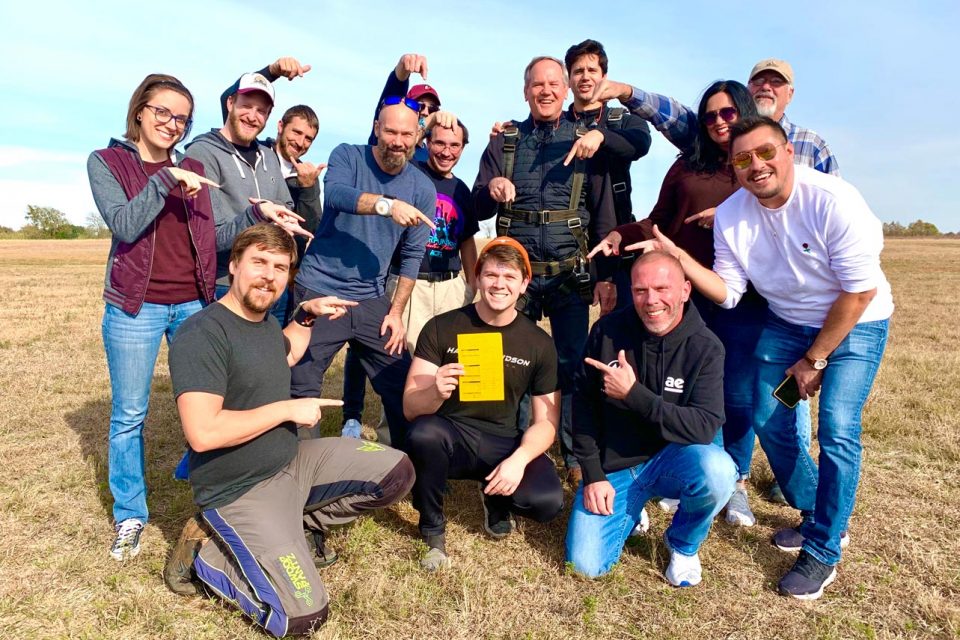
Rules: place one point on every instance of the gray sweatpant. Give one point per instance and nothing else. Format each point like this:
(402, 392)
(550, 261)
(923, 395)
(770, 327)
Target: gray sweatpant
(259, 559)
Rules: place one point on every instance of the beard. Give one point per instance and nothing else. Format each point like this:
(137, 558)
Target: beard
(237, 131)
(393, 160)
(256, 302)
(768, 108)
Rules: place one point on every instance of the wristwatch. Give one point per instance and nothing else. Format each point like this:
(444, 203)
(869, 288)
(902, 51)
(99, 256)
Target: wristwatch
(383, 206)
(819, 364)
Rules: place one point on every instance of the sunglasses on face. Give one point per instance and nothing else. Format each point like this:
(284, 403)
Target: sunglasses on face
(413, 105)
(429, 108)
(774, 81)
(764, 152)
(727, 114)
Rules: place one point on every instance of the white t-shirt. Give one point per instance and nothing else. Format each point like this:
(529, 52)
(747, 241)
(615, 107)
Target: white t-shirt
(799, 257)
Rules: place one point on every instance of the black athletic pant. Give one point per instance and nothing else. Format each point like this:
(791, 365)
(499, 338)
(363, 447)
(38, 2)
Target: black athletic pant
(440, 448)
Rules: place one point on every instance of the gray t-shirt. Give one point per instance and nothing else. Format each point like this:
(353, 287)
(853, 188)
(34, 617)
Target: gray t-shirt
(216, 351)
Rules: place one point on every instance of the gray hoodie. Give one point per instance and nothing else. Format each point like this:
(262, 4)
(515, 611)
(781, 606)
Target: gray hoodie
(232, 211)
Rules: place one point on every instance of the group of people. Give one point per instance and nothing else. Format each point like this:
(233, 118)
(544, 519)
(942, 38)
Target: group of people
(755, 265)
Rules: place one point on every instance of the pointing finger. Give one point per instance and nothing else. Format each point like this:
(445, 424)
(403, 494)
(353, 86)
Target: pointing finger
(208, 182)
(429, 222)
(597, 364)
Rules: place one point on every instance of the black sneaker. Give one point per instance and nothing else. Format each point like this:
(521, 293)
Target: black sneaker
(179, 574)
(498, 523)
(323, 556)
(792, 540)
(807, 579)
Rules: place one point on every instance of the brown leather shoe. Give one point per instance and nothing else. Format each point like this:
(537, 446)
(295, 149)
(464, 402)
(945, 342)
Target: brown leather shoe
(575, 476)
(178, 573)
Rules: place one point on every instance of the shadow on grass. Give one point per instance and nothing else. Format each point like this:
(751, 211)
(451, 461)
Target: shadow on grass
(169, 501)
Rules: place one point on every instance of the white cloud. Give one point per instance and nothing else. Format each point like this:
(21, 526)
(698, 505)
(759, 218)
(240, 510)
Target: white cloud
(68, 192)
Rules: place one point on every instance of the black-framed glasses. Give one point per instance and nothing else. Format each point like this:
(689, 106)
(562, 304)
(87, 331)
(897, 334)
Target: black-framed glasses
(164, 115)
(429, 108)
(774, 81)
(764, 152)
(727, 114)
(413, 105)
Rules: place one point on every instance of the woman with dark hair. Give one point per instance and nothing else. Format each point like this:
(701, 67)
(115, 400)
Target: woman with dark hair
(161, 269)
(699, 180)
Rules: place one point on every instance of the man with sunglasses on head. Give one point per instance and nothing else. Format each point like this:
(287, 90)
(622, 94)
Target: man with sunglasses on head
(811, 246)
(426, 97)
(248, 170)
(375, 203)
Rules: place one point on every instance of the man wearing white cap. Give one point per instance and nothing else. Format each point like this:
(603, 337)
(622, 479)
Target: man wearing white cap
(247, 170)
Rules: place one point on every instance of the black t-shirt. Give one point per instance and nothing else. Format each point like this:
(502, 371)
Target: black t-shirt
(249, 152)
(529, 362)
(456, 221)
(216, 351)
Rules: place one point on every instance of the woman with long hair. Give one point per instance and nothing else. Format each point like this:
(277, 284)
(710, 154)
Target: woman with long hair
(161, 269)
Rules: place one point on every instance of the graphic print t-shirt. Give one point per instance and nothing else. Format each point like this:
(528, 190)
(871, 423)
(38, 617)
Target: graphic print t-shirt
(456, 221)
(529, 361)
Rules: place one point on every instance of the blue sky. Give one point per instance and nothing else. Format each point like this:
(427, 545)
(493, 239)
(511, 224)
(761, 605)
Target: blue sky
(867, 76)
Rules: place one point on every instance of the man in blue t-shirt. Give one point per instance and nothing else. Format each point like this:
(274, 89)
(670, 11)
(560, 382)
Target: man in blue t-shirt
(351, 252)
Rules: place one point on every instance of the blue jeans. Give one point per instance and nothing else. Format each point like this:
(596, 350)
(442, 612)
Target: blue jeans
(739, 330)
(702, 476)
(824, 495)
(132, 344)
(278, 310)
(569, 319)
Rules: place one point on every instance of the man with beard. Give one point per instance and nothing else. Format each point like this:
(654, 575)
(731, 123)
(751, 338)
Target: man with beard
(375, 203)
(811, 246)
(458, 434)
(624, 138)
(253, 482)
(247, 170)
(533, 177)
(646, 408)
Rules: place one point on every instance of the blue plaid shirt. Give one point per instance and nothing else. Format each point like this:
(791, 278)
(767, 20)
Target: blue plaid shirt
(678, 124)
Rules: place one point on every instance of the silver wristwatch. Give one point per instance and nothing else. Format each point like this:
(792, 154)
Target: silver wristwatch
(383, 206)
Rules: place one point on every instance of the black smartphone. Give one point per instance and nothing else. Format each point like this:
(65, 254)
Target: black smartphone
(788, 393)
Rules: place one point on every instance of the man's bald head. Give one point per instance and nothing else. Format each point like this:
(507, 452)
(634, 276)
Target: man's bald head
(660, 289)
(396, 131)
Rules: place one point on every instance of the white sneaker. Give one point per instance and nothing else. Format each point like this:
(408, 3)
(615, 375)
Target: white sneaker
(670, 505)
(738, 510)
(683, 571)
(351, 429)
(642, 526)
(127, 543)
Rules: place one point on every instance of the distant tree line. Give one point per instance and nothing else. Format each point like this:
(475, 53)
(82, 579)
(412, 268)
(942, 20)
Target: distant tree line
(50, 223)
(917, 229)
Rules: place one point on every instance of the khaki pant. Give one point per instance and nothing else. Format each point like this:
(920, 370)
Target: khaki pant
(259, 560)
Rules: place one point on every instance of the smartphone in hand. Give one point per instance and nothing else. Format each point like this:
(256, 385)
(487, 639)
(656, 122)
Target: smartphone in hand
(788, 393)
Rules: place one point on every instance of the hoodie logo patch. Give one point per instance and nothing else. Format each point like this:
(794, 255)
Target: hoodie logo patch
(673, 385)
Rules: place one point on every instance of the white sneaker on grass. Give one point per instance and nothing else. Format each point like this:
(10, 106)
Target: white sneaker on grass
(670, 505)
(127, 543)
(642, 526)
(738, 510)
(683, 571)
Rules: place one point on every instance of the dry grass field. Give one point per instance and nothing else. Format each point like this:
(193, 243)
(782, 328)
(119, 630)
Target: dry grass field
(899, 578)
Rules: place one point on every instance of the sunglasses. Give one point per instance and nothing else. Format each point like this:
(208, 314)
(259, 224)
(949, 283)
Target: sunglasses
(430, 108)
(764, 152)
(413, 105)
(727, 114)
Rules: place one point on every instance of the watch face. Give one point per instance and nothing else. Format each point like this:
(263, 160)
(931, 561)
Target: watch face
(382, 207)
(820, 364)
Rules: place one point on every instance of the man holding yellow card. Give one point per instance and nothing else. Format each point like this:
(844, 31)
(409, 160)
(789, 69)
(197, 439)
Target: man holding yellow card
(471, 368)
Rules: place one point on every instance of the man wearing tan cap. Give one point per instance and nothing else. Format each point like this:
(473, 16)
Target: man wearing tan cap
(771, 85)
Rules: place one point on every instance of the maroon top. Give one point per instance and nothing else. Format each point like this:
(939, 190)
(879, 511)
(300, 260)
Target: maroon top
(172, 278)
(684, 193)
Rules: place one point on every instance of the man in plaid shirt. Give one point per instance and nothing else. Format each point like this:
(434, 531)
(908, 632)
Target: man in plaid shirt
(770, 84)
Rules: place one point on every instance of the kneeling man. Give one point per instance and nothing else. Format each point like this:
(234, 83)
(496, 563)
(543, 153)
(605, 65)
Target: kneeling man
(472, 366)
(646, 408)
(255, 484)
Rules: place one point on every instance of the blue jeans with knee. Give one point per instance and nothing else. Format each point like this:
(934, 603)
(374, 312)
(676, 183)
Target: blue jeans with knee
(702, 476)
(569, 319)
(132, 343)
(824, 495)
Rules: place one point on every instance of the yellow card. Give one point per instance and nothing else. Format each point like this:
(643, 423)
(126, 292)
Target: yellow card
(481, 355)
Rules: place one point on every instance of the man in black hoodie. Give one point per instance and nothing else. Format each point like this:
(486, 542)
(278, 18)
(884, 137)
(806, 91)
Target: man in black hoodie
(646, 408)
